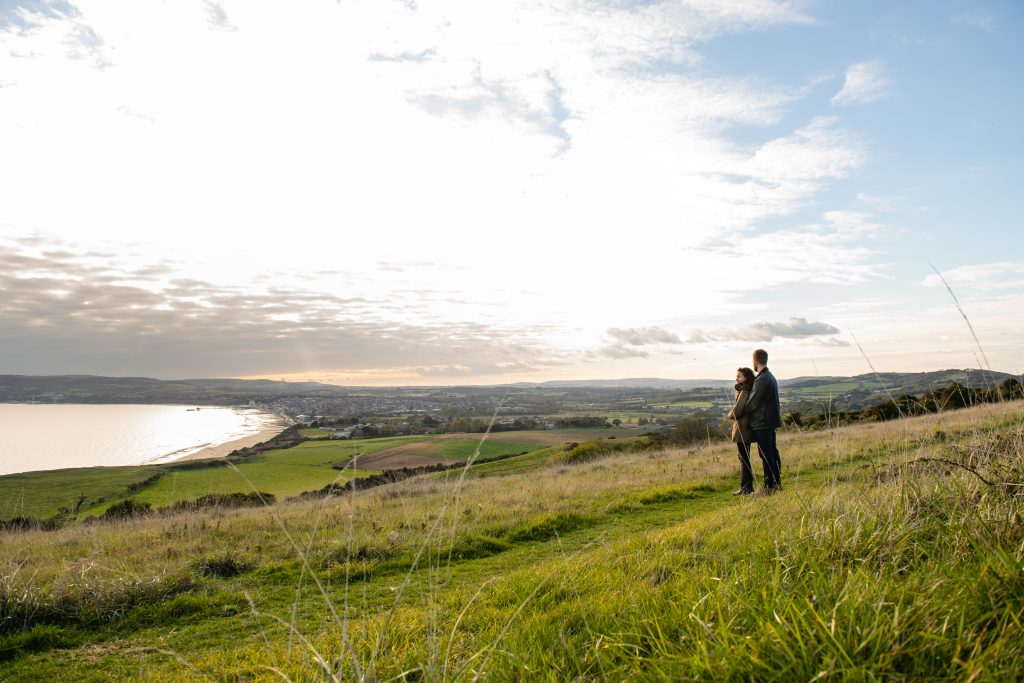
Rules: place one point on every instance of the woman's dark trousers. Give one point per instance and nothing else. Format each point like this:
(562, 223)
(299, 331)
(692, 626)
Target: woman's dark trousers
(746, 474)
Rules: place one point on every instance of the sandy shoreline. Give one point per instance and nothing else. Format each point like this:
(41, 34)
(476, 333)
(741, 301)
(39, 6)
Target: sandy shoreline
(224, 449)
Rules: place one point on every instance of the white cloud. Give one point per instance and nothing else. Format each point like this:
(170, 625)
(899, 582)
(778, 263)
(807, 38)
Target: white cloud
(620, 351)
(794, 328)
(829, 252)
(852, 224)
(981, 276)
(642, 336)
(218, 18)
(627, 342)
(865, 82)
(976, 18)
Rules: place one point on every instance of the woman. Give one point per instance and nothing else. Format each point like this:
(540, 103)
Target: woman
(741, 434)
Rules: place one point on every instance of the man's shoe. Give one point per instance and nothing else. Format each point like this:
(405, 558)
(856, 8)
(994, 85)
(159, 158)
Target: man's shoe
(742, 492)
(765, 491)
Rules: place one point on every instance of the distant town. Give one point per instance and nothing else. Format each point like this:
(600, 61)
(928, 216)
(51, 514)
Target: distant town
(351, 412)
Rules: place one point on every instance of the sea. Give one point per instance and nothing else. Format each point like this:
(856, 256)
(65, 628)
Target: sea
(55, 436)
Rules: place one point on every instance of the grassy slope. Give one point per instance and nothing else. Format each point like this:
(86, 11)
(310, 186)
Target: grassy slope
(283, 473)
(41, 494)
(289, 472)
(630, 566)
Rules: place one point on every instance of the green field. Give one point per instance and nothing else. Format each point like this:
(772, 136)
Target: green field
(280, 475)
(282, 472)
(315, 433)
(494, 446)
(42, 494)
(871, 564)
(835, 389)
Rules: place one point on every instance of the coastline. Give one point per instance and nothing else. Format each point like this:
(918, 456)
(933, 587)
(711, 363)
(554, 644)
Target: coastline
(225, 449)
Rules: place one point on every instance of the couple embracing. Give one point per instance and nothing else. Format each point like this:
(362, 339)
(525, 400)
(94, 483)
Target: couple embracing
(757, 414)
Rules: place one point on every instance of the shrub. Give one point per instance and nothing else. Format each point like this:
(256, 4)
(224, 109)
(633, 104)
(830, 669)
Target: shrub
(223, 566)
(21, 523)
(127, 508)
(228, 500)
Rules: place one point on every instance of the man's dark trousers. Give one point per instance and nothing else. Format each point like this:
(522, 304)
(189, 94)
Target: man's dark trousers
(770, 459)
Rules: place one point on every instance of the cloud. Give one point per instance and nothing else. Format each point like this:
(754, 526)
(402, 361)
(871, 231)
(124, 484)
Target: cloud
(40, 21)
(627, 340)
(852, 224)
(620, 351)
(415, 57)
(65, 313)
(794, 328)
(981, 276)
(785, 170)
(640, 336)
(827, 252)
(217, 16)
(975, 18)
(865, 82)
(547, 116)
(483, 370)
(27, 14)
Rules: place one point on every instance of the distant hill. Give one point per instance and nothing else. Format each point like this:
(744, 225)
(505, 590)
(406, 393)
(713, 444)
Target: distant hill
(93, 389)
(857, 391)
(651, 382)
(861, 391)
(904, 382)
(913, 382)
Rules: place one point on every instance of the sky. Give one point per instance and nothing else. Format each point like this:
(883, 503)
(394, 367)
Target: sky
(428, 193)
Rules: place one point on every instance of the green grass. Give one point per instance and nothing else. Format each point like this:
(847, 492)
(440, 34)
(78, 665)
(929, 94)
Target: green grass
(315, 433)
(282, 477)
(522, 463)
(493, 447)
(281, 472)
(627, 417)
(42, 494)
(630, 567)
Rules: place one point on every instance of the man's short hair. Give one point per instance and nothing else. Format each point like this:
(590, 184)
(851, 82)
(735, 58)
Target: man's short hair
(761, 357)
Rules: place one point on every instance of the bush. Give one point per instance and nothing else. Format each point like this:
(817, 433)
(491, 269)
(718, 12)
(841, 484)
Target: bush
(585, 451)
(223, 566)
(126, 509)
(228, 500)
(694, 429)
(21, 523)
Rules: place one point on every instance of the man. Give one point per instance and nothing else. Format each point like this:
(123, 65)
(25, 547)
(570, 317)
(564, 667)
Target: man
(765, 417)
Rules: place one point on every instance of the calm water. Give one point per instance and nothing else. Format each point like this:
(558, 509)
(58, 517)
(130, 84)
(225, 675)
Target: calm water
(48, 437)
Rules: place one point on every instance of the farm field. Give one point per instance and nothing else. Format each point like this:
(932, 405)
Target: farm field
(628, 417)
(315, 433)
(42, 494)
(433, 451)
(282, 472)
(871, 564)
(281, 476)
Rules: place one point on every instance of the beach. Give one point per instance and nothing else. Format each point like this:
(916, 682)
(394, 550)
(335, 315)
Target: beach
(269, 431)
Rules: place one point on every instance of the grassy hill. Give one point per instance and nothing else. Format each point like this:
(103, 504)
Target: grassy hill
(860, 391)
(879, 560)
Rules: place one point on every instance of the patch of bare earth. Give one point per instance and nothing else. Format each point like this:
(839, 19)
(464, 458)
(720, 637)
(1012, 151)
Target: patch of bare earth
(406, 455)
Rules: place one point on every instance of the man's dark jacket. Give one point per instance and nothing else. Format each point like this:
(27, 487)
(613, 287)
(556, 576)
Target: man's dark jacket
(763, 404)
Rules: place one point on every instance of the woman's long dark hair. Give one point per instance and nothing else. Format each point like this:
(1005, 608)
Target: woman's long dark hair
(748, 379)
